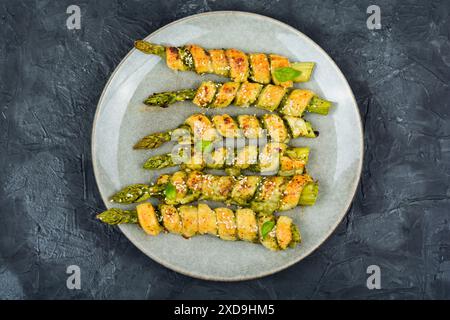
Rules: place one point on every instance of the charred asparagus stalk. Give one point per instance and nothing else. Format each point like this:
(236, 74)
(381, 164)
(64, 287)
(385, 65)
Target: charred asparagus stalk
(231, 63)
(200, 127)
(289, 102)
(288, 160)
(275, 233)
(260, 193)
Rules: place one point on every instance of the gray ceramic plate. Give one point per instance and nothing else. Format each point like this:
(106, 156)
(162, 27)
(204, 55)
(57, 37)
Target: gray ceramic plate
(121, 119)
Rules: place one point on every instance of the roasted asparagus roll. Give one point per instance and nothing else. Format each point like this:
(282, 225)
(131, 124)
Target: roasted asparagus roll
(200, 127)
(231, 63)
(289, 102)
(260, 193)
(273, 157)
(275, 233)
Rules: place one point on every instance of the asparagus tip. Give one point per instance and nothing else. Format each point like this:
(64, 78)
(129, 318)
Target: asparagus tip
(132, 194)
(149, 48)
(163, 99)
(153, 141)
(158, 162)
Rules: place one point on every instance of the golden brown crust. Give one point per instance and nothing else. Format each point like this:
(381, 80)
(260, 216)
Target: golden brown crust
(292, 191)
(296, 102)
(148, 219)
(247, 226)
(270, 97)
(201, 127)
(283, 231)
(225, 95)
(189, 218)
(250, 126)
(171, 219)
(276, 129)
(205, 94)
(260, 67)
(226, 224)
(219, 62)
(202, 60)
(226, 126)
(247, 94)
(194, 181)
(239, 66)
(207, 222)
(173, 59)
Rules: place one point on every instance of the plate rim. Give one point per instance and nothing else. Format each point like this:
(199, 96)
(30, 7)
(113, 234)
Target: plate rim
(354, 186)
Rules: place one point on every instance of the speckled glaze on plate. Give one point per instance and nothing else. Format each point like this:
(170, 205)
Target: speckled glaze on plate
(121, 119)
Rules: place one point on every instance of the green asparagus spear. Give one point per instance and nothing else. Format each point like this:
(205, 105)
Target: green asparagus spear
(136, 193)
(293, 161)
(184, 187)
(224, 223)
(247, 126)
(288, 102)
(235, 64)
(118, 216)
(150, 48)
(165, 99)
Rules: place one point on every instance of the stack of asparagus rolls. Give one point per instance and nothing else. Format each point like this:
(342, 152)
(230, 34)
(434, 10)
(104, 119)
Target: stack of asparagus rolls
(264, 81)
(202, 146)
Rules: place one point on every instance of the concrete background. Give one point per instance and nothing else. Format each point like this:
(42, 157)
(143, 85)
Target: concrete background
(52, 78)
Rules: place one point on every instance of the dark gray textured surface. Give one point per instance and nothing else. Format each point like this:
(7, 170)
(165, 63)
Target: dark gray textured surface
(52, 78)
